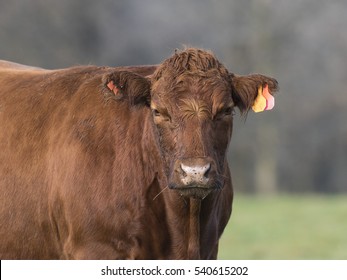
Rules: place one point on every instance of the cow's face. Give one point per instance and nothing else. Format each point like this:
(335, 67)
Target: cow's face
(194, 116)
(193, 98)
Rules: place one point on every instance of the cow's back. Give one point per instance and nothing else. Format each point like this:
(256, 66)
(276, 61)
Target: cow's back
(9, 65)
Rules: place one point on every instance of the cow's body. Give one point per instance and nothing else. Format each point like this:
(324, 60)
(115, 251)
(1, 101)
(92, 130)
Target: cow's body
(82, 174)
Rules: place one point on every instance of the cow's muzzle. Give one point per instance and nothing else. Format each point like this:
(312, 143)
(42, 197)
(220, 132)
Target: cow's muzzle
(195, 177)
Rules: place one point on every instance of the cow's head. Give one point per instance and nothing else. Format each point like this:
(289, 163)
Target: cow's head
(192, 99)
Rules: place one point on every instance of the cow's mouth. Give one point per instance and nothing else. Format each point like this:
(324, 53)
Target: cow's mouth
(195, 191)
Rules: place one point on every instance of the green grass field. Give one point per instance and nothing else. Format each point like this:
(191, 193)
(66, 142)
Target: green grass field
(286, 227)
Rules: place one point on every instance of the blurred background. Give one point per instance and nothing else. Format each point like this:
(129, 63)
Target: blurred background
(296, 154)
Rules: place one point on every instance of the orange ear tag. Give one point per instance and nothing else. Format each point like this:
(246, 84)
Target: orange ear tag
(260, 102)
(264, 100)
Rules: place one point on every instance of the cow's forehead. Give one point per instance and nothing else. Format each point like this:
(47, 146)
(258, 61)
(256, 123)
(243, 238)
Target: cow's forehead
(192, 92)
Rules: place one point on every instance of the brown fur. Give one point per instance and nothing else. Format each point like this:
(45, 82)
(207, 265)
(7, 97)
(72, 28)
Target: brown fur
(85, 174)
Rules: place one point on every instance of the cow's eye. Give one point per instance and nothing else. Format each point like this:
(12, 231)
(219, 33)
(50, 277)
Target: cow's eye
(156, 113)
(228, 111)
(160, 116)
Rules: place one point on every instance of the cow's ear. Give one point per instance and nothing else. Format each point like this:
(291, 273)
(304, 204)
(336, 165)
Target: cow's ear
(125, 85)
(253, 91)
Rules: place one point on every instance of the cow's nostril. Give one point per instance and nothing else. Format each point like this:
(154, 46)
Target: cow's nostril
(181, 171)
(207, 171)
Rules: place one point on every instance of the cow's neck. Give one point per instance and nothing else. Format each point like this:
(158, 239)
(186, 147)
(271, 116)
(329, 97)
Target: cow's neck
(183, 218)
(194, 229)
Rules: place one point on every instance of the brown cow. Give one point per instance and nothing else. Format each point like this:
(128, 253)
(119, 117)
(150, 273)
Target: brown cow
(104, 163)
